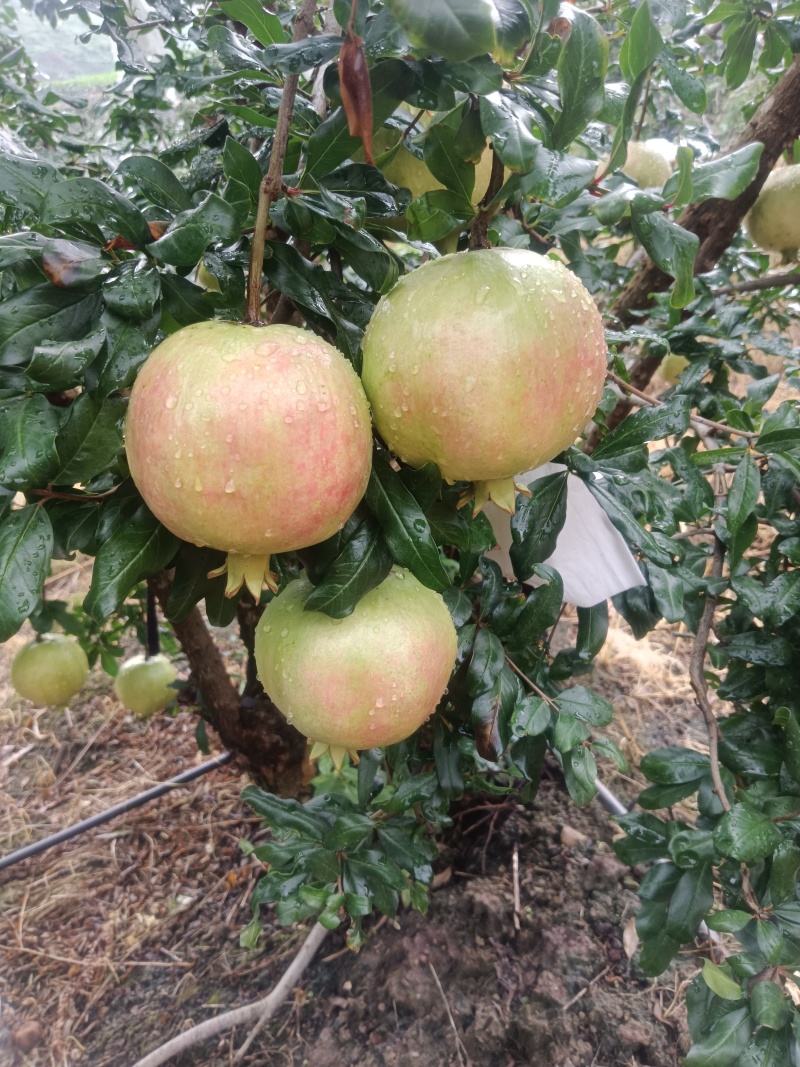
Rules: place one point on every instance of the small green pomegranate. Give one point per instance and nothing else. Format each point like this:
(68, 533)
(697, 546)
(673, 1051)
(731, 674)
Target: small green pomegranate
(143, 685)
(50, 670)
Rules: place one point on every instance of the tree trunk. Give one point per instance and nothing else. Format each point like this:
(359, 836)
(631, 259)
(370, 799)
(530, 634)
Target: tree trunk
(272, 750)
(775, 124)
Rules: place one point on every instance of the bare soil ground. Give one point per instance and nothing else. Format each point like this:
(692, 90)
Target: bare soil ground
(122, 938)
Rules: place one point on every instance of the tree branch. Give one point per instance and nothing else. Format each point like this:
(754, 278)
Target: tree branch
(271, 183)
(479, 230)
(260, 1012)
(769, 281)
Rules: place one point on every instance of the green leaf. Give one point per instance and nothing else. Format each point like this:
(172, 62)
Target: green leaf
(557, 178)
(744, 492)
(191, 583)
(646, 839)
(157, 182)
(724, 178)
(43, 314)
(611, 750)
(746, 834)
(25, 182)
(642, 44)
(28, 428)
(284, 815)
(670, 247)
(264, 26)
(582, 69)
(455, 29)
(647, 424)
(783, 872)
(689, 89)
(135, 551)
(622, 518)
(586, 705)
(580, 775)
(770, 1006)
(362, 564)
(537, 522)
(26, 546)
(404, 525)
(541, 609)
(770, 1048)
(729, 921)
(726, 1041)
(657, 953)
(739, 54)
(90, 438)
(531, 717)
(670, 766)
(128, 344)
(663, 796)
(720, 982)
(191, 232)
(347, 832)
(433, 216)
(509, 125)
(444, 163)
(756, 646)
(133, 290)
(485, 664)
(241, 166)
(691, 901)
(82, 200)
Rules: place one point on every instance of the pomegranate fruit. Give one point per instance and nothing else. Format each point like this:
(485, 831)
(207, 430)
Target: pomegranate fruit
(248, 439)
(486, 363)
(143, 685)
(773, 222)
(650, 163)
(672, 367)
(364, 681)
(49, 670)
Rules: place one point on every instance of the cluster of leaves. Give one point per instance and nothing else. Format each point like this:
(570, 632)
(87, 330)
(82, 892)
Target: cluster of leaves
(95, 270)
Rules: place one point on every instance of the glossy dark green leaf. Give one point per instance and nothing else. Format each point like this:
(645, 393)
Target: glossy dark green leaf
(691, 901)
(192, 231)
(133, 290)
(728, 921)
(531, 717)
(347, 832)
(513, 29)
(135, 551)
(434, 215)
(739, 54)
(647, 424)
(770, 1006)
(128, 344)
(568, 732)
(81, 200)
(664, 796)
(592, 630)
(157, 182)
(768, 1048)
(284, 815)
(89, 439)
(720, 981)
(756, 646)
(744, 492)
(485, 664)
(455, 29)
(191, 584)
(645, 839)
(580, 775)
(582, 67)
(480, 75)
(724, 178)
(28, 429)
(670, 247)
(746, 834)
(541, 609)
(689, 89)
(25, 182)
(241, 166)
(20, 247)
(623, 519)
(557, 178)
(404, 525)
(447, 758)
(586, 705)
(362, 564)
(670, 766)
(642, 44)
(444, 163)
(264, 26)
(657, 953)
(26, 545)
(510, 125)
(726, 1041)
(185, 301)
(41, 314)
(537, 522)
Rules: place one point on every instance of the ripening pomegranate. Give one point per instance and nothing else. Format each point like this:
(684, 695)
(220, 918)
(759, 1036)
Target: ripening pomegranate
(365, 681)
(252, 440)
(487, 363)
(650, 163)
(49, 670)
(144, 684)
(773, 222)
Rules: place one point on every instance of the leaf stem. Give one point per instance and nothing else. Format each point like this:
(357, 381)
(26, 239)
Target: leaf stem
(271, 183)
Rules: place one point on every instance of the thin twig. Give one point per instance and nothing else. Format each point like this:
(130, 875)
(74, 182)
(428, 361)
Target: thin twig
(586, 988)
(769, 281)
(721, 427)
(459, 1044)
(271, 183)
(539, 692)
(258, 1012)
(645, 102)
(515, 881)
(479, 229)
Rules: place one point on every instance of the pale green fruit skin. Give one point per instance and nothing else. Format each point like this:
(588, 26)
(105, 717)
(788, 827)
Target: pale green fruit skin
(412, 174)
(365, 681)
(250, 440)
(486, 363)
(671, 368)
(773, 222)
(142, 685)
(206, 278)
(51, 671)
(650, 163)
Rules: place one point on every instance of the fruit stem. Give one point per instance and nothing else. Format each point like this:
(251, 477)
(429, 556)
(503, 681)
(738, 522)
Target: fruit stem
(153, 642)
(479, 230)
(271, 183)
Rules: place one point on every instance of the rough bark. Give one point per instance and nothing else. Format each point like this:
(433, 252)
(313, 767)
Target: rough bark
(775, 124)
(251, 726)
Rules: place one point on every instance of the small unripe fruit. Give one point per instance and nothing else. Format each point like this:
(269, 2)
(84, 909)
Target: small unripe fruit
(365, 681)
(50, 671)
(250, 440)
(773, 222)
(486, 363)
(650, 163)
(205, 278)
(672, 367)
(143, 685)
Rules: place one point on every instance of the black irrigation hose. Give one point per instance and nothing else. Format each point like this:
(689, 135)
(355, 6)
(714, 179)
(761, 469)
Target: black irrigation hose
(118, 809)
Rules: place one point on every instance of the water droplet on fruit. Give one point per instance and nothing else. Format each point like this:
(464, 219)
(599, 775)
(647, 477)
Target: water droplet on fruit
(371, 711)
(198, 485)
(268, 533)
(178, 483)
(288, 418)
(284, 632)
(415, 369)
(379, 702)
(393, 368)
(397, 413)
(229, 437)
(372, 726)
(178, 453)
(322, 406)
(267, 629)
(243, 406)
(188, 406)
(170, 402)
(301, 387)
(229, 486)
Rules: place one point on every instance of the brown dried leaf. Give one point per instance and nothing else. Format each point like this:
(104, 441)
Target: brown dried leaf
(630, 939)
(67, 264)
(356, 91)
